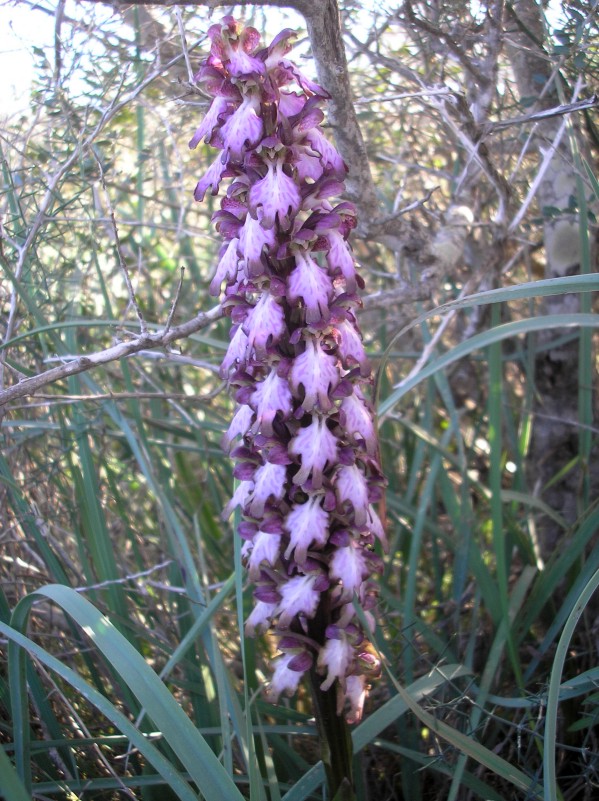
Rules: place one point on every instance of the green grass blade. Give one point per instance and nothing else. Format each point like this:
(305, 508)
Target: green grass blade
(19, 644)
(185, 740)
(485, 339)
(11, 787)
(385, 716)
(550, 792)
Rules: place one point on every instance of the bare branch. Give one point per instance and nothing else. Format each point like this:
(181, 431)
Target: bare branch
(175, 302)
(82, 364)
(537, 116)
(305, 7)
(119, 251)
(184, 44)
(424, 25)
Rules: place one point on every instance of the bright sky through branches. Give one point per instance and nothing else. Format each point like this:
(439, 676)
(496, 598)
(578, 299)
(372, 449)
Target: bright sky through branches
(27, 35)
(21, 29)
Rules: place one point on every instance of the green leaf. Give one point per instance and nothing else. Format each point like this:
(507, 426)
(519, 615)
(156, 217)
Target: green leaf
(182, 736)
(11, 787)
(497, 334)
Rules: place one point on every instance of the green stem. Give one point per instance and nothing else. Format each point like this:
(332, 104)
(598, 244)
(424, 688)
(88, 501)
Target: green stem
(335, 742)
(335, 737)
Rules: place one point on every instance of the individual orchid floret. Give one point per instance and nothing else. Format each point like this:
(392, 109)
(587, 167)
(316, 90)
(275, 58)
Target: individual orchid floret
(271, 397)
(243, 129)
(310, 284)
(303, 438)
(316, 448)
(308, 527)
(232, 48)
(275, 197)
(300, 596)
(317, 373)
(286, 678)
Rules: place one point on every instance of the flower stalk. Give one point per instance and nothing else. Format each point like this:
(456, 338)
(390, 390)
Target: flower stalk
(303, 437)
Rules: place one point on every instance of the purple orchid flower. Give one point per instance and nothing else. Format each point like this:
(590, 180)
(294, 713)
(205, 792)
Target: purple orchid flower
(303, 437)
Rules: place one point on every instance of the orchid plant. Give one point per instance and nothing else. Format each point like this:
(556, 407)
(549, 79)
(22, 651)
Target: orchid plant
(303, 437)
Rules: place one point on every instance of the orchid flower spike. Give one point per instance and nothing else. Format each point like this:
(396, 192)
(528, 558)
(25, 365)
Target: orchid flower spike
(303, 438)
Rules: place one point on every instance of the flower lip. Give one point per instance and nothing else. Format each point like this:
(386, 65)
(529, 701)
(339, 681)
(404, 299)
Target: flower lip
(299, 596)
(308, 526)
(317, 373)
(316, 447)
(213, 119)
(284, 679)
(275, 197)
(242, 129)
(310, 283)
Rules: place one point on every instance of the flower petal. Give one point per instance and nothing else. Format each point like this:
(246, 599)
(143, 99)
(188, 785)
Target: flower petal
(240, 497)
(308, 525)
(351, 487)
(218, 108)
(253, 238)
(239, 426)
(358, 421)
(329, 155)
(298, 597)
(306, 162)
(243, 129)
(265, 548)
(211, 178)
(236, 352)
(283, 680)
(265, 324)
(260, 618)
(275, 197)
(269, 484)
(351, 348)
(340, 259)
(271, 396)
(309, 282)
(316, 446)
(376, 527)
(318, 374)
(226, 269)
(336, 659)
(350, 566)
(355, 695)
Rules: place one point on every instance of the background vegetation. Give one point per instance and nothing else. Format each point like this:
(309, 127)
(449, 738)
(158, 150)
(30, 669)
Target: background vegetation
(125, 673)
